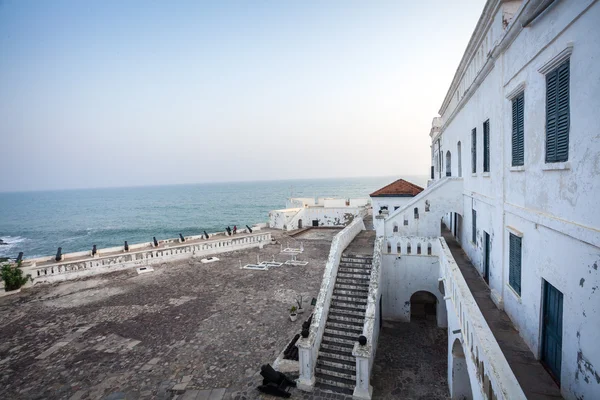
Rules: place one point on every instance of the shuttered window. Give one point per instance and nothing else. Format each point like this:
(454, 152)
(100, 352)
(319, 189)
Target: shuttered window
(518, 130)
(474, 227)
(557, 114)
(474, 150)
(486, 146)
(514, 260)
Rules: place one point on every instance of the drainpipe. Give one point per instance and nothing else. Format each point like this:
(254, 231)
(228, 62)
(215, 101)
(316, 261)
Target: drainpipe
(538, 7)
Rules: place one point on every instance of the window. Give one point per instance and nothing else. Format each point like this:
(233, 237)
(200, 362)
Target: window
(474, 150)
(486, 146)
(395, 227)
(514, 259)
(474, 228)
(518, 130)
(396, 207)
(416, 211)
(557, 114)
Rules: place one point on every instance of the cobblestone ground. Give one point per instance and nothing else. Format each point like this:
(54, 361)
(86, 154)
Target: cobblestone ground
(182, 330)
(411, 362)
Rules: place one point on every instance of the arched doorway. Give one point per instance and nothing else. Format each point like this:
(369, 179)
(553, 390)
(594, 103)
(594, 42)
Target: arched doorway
(423, 306)
(460, 385)
(299, 224)
(459, 152)
(448, 163)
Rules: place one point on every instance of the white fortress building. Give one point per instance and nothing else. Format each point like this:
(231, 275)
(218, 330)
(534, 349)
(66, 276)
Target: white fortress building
(503, 246)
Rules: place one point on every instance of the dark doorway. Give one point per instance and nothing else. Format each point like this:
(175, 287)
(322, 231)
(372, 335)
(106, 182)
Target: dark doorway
(454, 225)
(552, 330)
(315, 222)
(486, 257)
(422, 306)
(299, 224)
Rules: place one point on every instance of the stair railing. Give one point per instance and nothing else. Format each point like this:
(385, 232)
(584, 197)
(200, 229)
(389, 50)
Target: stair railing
(364, 350)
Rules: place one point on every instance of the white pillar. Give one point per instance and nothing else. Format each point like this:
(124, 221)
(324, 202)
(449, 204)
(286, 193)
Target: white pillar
(362, 390)
(306, 381)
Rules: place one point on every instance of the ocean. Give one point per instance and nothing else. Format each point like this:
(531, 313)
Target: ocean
(37, 223)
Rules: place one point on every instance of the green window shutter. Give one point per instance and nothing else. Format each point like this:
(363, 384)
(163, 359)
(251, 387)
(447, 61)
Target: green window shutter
(557, 114)
(474, 227)
(474, 150)
(518, 130)
(514, 260)
(486, 146)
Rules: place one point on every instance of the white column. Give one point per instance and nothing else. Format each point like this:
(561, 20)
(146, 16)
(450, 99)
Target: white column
(306, 381)
(362, 390)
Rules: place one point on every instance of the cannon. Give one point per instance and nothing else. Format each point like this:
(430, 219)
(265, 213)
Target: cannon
(182, 238)
(155, 241)
(126, 246)
(20, 257)
(249, 229)
(205, 234)
(94, 250)
(275, 383)
(58, 254)
(228, 229)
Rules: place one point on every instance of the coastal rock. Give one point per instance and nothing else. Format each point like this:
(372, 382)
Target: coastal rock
(3, 243)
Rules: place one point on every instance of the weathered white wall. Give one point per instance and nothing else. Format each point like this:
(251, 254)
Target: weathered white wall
(551, 204)
(404, 275)
(280, 219)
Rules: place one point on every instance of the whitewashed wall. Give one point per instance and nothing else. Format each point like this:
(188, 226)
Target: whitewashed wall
(551, 204)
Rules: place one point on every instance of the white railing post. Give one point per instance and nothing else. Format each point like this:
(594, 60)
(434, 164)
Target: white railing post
(306, 380)
(363, 389)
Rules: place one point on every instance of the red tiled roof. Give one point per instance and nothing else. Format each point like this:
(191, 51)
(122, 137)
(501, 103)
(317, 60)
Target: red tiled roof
(399, 188)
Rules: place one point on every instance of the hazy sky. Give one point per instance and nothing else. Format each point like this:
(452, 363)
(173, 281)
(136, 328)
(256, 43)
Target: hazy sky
(120, 93)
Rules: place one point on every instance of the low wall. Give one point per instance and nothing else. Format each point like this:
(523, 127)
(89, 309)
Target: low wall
(45, 269)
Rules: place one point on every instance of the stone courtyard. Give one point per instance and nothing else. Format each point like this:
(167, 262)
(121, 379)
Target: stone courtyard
(187, 330)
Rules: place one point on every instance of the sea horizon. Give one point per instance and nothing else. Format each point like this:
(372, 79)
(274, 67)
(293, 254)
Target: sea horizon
(38, 222)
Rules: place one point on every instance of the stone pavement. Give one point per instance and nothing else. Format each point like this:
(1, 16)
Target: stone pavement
(179, 331)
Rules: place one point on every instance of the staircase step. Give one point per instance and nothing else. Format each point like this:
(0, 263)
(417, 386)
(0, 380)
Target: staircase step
(335, 381)
(337, 363)
(349, 319)
(353, 282)
(328, 371)
(350, 312)
(351, 335)
(354, 288)
(354, 257)
(359, 271)
(362, 294)
(350, 299)
(342, 347)
(334, 324)
(336, 389)
(339, 339)
(337, 355)
(345, 305)
(361, 277)
(350, 264)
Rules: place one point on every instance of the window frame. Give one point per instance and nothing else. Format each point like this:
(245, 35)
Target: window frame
(474, 150)
(555, 83)
(486, 146)
(518, 151)
(515, 282)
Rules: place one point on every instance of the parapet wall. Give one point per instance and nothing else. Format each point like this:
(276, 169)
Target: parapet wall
(81, 264)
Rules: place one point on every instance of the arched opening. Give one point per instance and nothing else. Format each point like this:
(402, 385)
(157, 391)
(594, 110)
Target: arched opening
(416, 211)
(459, 154)
(398, 249)
(395, 227)
(460, 385)
(423, 306)
(389, 247)
(448, 164)
(299, 224)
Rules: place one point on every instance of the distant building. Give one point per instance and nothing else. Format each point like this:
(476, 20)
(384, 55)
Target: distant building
(390, 198)
(304, 212)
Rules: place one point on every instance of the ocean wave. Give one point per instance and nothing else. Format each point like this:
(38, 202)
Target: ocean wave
(10, 242)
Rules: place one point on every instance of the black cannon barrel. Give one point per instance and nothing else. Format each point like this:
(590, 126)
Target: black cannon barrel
(94, 250)
(126, 246)
(206, 234)
(58, 254)
(181, 237)
(249, 229)
(20, 257)
(155, 241)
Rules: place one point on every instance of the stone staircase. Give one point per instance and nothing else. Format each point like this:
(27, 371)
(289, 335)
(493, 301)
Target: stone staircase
(336, 367)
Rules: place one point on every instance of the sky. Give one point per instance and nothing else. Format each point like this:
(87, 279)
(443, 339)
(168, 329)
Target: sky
(111, 93)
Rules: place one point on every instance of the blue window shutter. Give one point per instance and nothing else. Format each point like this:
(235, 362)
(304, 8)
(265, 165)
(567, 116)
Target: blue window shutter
(474, 150)
(557, 114)
(518, 130)
(486, 146)
(514, 260)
